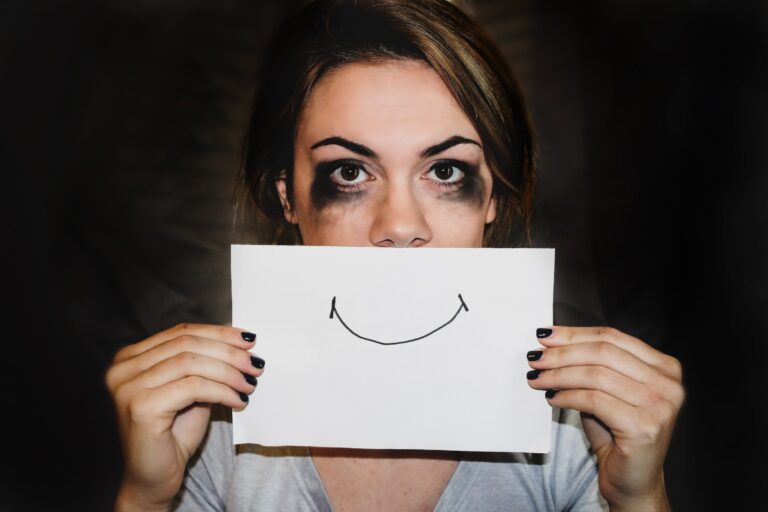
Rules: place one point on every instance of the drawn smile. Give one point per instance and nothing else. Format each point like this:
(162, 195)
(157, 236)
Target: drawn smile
(334, 311)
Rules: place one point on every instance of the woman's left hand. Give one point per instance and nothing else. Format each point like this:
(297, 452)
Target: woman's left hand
(629, 395)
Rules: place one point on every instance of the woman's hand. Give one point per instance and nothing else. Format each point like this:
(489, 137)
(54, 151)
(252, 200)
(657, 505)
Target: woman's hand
(629, 395)
(163, 388)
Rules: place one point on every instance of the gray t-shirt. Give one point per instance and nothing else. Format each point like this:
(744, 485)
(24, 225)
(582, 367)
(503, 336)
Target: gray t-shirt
(252, 477)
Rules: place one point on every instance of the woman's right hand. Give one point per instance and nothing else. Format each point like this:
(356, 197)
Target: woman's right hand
(163, 388)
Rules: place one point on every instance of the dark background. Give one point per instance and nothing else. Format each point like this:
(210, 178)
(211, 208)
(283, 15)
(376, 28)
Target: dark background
(121, 124)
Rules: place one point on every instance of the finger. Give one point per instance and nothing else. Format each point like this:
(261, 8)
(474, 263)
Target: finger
(164, 402)
(598, 378)
(599, 353)
(231, 335)
(234, 356)
(618, 415)
(187, 364)
(562, 335)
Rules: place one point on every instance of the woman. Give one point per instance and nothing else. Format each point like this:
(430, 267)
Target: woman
(391, 123)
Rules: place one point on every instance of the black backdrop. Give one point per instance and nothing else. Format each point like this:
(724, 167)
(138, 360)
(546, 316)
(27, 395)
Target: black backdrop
(121, 123)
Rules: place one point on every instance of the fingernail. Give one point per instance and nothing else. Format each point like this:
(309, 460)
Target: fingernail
(250, 379)
(243, 396)
(535, 355)
(550, 393)
(543, 332)
(533, 374)
(248, 336)
(257, 362)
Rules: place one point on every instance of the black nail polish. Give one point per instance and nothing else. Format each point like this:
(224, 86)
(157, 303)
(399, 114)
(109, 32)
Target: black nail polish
(550, 393)
(543, 332)
(257, 362)
(535, 355)
(243, 396)
(250, 379)
(248, 336)
(533, 374)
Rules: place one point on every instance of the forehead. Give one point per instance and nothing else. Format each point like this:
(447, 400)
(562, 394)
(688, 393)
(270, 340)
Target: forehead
(393, 102)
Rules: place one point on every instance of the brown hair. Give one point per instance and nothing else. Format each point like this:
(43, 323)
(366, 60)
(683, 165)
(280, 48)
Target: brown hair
(326, 34)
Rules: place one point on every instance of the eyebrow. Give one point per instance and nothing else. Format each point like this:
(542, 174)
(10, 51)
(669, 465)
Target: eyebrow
(369, 153)
(345, 143)
(447, 143)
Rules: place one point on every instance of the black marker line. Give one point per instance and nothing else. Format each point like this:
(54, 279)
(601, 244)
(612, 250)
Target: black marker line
(463, 306)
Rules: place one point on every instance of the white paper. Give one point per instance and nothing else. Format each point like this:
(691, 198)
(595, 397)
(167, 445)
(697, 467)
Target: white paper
(462, 387)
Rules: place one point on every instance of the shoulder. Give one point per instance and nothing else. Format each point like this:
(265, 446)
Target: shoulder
(572, 465)
(563, 479)
(568, 437)
(216, 457)
(210, 469)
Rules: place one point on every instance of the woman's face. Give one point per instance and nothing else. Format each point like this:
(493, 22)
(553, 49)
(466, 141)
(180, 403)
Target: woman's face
(385, 156)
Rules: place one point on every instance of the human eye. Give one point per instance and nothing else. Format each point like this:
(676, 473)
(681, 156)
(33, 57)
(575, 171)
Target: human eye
(447, 174)
(345, 175)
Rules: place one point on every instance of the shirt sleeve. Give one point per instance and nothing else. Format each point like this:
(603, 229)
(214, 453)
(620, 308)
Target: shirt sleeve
(209, 471)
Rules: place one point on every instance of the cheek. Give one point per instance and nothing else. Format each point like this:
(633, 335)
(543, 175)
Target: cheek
(458, 220)
(472, 194)
(343, 222)
(455, 224)
(325, 195)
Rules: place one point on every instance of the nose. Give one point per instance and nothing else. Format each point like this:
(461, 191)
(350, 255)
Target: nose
(399, 221)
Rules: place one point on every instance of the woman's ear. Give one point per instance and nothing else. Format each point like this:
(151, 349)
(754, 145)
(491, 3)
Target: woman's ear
(282, 192)
(490, 214)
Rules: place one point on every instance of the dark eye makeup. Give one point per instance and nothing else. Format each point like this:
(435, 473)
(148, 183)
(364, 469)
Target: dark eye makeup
(459, 179)
(328, 185)
(343, 180)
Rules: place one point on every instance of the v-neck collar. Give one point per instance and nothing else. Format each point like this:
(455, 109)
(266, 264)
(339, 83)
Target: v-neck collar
(450, 499)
